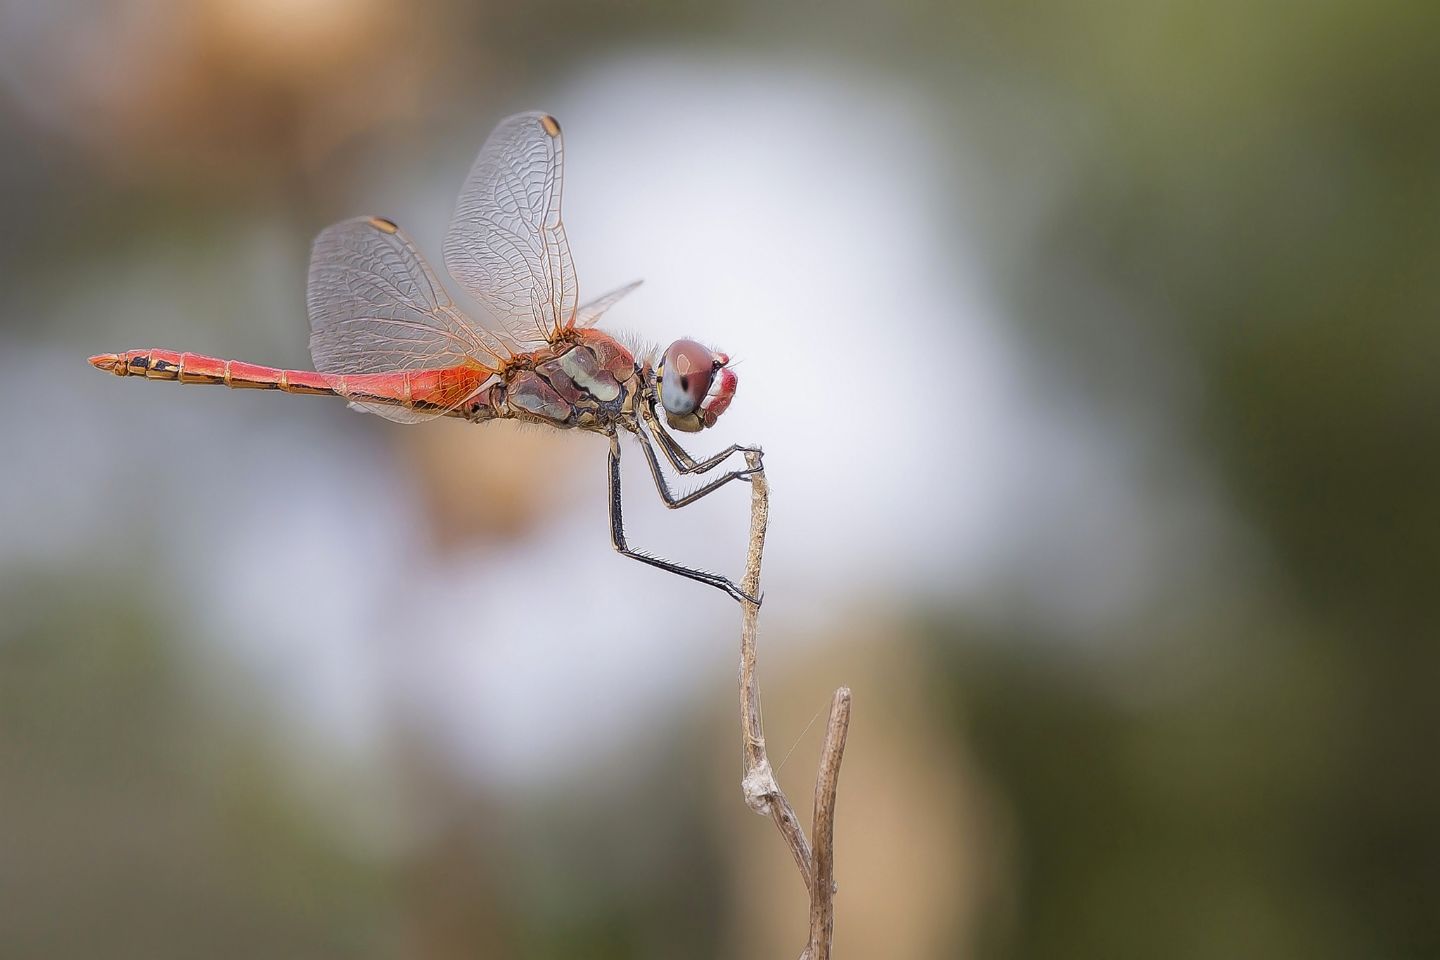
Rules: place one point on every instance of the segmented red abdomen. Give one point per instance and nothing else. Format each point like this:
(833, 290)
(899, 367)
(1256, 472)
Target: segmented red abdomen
(432, 390)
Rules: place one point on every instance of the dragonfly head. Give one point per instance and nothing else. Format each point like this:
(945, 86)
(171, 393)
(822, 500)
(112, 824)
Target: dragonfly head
(695, 385)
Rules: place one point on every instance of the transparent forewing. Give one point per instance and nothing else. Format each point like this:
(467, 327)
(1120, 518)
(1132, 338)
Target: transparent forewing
(506, 243)
(595, 309)
(376, 307)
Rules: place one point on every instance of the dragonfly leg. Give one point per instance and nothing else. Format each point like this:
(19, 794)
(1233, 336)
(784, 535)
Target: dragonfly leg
(617, 537)
(679, 459)
(672, 501)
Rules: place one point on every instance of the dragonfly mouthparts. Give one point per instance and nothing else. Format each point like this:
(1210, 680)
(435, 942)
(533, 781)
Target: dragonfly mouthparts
(104, 361)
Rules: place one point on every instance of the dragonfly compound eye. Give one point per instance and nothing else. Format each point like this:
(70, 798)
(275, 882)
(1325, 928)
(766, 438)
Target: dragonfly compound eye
(695, 386)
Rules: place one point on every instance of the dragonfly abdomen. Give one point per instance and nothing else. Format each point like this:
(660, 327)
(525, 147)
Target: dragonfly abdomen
(197, 368)
(421, 393)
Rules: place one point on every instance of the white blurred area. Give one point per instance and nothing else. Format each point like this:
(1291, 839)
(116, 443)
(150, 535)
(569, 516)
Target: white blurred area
(795, 218)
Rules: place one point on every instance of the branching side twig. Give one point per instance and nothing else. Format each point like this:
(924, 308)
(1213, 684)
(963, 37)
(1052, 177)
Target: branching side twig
(822, 903)
(762, 791)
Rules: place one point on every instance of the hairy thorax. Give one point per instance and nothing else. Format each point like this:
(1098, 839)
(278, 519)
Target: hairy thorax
(586, 380)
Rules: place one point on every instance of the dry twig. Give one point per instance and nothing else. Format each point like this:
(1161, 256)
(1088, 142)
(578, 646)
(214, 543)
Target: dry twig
(762, 791)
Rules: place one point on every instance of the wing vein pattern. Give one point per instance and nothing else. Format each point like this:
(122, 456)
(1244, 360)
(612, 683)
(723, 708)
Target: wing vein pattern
(506, 244)
(376, 307)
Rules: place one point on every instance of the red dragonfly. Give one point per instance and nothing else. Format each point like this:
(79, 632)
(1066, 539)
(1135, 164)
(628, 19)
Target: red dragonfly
(385, 336)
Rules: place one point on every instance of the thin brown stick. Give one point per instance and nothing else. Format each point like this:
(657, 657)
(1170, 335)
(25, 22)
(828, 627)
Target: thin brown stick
(822, 895)
(762, 791)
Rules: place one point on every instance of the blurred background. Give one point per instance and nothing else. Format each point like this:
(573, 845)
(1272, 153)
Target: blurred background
(1093, 349)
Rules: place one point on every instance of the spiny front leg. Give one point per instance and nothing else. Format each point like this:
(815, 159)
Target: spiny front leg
(672, 501)
(679, 459)
(617, 538)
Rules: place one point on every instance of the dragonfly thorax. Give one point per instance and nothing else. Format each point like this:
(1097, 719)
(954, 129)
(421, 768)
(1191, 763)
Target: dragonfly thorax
(585, 380)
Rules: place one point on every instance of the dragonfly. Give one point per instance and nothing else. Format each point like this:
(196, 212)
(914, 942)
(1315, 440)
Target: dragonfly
(386, 337)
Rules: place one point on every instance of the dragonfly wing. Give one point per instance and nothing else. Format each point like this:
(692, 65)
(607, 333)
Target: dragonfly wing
(507, 244)
(375, 307)
(394, 413)
(592, 311)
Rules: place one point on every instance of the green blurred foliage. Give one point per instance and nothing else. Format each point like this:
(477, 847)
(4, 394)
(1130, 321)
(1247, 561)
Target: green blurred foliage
(1266, 181)
(134, 821)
